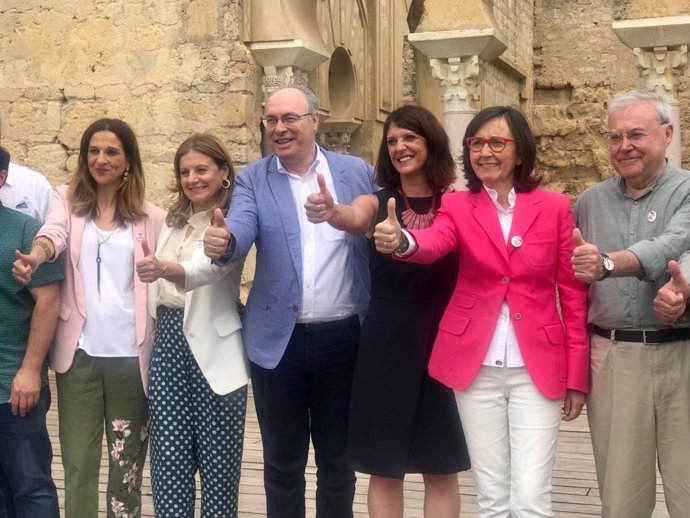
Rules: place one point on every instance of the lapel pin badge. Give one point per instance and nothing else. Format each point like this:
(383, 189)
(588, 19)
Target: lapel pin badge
(651, 217)
(140, 236)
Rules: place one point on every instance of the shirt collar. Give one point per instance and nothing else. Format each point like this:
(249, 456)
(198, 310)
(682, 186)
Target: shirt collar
(493, 194)
(312, 168)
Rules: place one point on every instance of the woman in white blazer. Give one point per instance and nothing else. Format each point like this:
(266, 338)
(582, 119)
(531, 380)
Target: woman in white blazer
(198, 375)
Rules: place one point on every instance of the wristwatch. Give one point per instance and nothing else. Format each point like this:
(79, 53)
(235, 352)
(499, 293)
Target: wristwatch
(608, 265)
(404, 244)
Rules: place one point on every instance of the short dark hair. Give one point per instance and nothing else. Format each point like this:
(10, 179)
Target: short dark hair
(4, 159)
(525, 146)
(440, 166)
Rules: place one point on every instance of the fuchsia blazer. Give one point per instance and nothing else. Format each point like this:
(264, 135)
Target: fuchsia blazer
(65, 230)
(527, 271)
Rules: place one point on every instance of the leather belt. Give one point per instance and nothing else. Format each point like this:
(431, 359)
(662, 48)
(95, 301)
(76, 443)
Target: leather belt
(652, 336)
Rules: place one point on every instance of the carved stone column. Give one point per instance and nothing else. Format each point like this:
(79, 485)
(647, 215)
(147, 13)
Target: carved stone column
(660, 46)
(454, 58)
(286, 62)
(459, 95)
(659, 67)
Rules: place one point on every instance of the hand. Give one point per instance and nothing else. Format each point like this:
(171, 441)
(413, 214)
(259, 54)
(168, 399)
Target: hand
(387, 233)
(24, 267)
(217, 236)
(669, 303)
(587, 262)
(572, 405)
(319, 206)
(25, 391)
(149, 269)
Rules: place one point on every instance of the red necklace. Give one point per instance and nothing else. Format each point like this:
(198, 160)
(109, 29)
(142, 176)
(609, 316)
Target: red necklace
(415, 220)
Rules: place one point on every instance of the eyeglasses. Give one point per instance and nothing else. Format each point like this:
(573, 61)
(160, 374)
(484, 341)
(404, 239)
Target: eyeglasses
(496, 144)
(616, 138)
(289, 119)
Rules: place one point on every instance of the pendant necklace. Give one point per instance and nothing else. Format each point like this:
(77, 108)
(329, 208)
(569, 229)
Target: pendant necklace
(98, 256)
(416, 221)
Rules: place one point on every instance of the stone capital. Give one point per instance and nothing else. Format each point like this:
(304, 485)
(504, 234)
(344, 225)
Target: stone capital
(660, 66)
(459, 82)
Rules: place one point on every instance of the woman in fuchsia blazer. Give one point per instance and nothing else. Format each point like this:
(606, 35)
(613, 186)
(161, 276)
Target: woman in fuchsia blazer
(513, 339)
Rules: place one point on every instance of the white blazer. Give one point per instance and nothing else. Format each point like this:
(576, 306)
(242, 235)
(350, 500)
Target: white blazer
(211, 325)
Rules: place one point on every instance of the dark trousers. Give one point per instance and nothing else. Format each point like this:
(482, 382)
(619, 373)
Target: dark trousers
(27, 489)
(308, 394)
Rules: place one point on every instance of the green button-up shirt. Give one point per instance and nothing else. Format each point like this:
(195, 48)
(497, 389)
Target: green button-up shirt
(17, 231)
(655, 227)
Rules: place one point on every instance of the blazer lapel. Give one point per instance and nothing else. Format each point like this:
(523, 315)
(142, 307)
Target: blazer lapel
(287, 212)
(484, 212)
(527, 208)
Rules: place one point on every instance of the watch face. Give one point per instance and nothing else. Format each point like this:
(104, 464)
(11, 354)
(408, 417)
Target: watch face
(608, 263)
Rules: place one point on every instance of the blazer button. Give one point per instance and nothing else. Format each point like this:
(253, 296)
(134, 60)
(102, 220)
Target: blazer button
(506, 280)
(294, 308)
(518, 316)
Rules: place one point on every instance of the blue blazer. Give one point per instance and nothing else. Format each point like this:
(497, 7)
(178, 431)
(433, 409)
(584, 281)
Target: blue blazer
(263, 212)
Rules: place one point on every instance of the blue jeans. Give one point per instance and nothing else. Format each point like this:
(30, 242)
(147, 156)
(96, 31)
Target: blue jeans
(308, 394)
(27, 489)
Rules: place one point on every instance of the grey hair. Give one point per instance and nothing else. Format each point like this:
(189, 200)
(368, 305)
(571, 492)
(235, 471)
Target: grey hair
(627, 98)
(312, 100)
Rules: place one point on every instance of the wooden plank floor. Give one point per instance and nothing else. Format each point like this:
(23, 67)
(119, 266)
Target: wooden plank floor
(575, 493)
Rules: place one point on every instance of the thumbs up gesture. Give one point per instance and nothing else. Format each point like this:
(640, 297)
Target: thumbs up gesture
(217, 236)
(24, 267)
(587, 261)
(387, 233)
(319, 205)
(149, 269)
(669, 303)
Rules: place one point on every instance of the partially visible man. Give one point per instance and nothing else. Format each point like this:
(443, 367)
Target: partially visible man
(631, 227)
(27, 191)
(302, 320)
(28, 316)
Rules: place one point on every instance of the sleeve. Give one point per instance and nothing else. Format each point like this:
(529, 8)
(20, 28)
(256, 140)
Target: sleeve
(202, 273)
(242, 217)
(573, 301)
(56, 226)
(437, 240)
(655, 253)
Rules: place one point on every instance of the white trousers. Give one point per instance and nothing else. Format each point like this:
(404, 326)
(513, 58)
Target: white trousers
(511, 431)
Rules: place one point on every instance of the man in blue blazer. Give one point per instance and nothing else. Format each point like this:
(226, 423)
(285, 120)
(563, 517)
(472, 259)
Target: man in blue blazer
(302, 319)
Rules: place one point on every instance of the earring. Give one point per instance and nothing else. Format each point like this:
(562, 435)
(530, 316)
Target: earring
(126, 173)
(225, 184)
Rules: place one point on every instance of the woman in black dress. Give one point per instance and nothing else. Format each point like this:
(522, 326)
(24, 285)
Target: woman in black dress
(401, 420)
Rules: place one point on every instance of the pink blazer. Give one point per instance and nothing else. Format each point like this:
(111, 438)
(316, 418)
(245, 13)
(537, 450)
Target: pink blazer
(527, 272)
(65, 230)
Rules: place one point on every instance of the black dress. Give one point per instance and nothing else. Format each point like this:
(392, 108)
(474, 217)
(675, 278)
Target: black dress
(401, 420)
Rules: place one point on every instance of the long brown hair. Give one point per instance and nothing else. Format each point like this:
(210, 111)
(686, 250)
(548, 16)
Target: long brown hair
(208, 145)
(129, 199)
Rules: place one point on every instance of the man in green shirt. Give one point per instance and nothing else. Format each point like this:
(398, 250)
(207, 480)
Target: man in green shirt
(632, 226)
(28, 316)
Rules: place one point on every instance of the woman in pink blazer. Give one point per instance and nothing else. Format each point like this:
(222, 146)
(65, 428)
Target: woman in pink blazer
(512, 342)
(103, 342)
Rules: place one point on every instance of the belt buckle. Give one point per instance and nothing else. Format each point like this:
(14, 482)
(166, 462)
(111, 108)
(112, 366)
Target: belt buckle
(644, 339)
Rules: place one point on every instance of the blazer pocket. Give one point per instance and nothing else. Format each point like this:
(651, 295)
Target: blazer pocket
(541, 253)
(555, 334)
(454, 323)
(227, 324)
(463, 300)
(65, 312)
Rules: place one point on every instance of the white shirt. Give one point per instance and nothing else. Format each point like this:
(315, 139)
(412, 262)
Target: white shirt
(26, 191)
(326, 282)
(503, 348)
(110, 327)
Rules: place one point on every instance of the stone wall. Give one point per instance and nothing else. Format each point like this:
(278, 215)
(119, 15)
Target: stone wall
(167, 67)
(579, 64)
